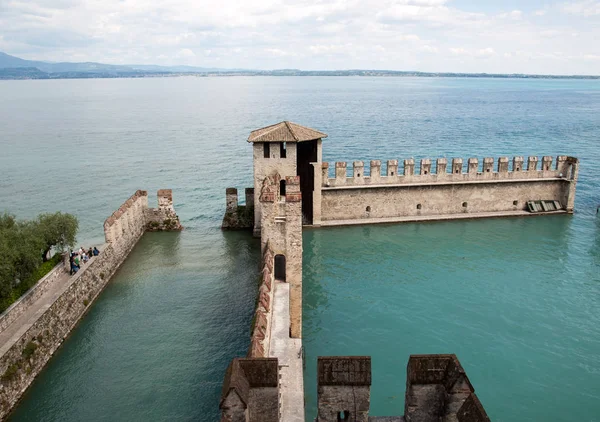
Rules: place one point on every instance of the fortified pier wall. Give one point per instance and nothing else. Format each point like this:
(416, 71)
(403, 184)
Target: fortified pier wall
(292, 187)
(276, 345)
(485, 188)
(35, 326)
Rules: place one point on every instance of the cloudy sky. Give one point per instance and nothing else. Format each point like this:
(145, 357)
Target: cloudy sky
(527, 36)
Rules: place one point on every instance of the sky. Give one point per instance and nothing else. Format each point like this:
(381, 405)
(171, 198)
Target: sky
(509, 36)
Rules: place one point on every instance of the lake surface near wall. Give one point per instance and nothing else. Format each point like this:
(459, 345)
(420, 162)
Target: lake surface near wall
(517, 300)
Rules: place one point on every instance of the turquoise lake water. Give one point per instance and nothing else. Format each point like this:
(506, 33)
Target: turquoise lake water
(518, 300)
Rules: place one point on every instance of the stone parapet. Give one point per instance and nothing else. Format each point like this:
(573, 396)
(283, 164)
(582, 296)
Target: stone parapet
(163, 218)
(17, 309)
(250, 391)
(263, 315)
(437, 388)
(492, 169)
(238, 217)
(25, 353)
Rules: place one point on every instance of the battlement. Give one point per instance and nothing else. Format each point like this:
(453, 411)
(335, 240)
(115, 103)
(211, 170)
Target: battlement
(261, 330)
(471, 170)
(128, 221)
(134, 217)
(238, 216)
(250, 391)
(164, 217)
(437, 388)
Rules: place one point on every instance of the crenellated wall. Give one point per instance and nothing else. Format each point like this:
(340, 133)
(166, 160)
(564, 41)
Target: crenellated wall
(238, 216)
(128, 223)
(439, 171)
(442, 189)
(281, 222)
(27, 346)
(437, 388)
(261, 329)
(164, 217)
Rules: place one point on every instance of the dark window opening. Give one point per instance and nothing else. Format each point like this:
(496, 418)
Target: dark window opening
(369, 208)
(282, 150)
(267, 150)
(282, 188)
(517, 169)
(343, 416)
(456, 172)
(425, 171)
(515, 202)
(280, 267)
(392, 173)
(547, 167)
(357, 174)
(464, 204)
(487, 170)
(419, 206)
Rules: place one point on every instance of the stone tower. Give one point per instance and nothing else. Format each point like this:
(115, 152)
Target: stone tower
(285, 150)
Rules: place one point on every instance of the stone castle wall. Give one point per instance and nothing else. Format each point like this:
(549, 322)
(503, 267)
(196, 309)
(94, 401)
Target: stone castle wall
(17, 309)
(502, 169)
(266, 167)
(163, 217)
(263, 316)
(24, 356)
(281, 222)
(445, 191)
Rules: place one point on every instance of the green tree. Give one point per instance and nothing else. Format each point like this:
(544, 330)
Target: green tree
(20, 247)
(57, 231)
(24, 245)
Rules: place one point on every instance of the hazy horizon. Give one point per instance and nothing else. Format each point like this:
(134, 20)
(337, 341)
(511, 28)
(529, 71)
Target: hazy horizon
(455, 36)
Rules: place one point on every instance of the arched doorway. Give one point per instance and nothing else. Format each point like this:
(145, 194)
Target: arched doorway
(280, 267)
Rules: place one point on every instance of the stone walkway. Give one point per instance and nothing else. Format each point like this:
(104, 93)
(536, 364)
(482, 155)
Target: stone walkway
(440, 217)
(14, 331)
(289, 352)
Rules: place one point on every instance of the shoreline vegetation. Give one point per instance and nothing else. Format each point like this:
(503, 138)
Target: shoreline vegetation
(30, 249)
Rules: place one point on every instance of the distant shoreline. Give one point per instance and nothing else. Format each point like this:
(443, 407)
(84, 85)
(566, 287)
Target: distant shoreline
(36, 74)
(15, 68)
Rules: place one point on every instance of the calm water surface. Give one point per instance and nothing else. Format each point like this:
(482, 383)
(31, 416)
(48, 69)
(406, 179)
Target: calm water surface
(518, 300)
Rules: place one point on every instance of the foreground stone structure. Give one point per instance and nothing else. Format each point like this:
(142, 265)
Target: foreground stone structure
(293, 188)
(250, 391)
(34, 327)
(437, 390)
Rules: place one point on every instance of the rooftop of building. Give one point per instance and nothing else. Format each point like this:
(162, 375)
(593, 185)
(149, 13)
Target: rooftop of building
(285, 132)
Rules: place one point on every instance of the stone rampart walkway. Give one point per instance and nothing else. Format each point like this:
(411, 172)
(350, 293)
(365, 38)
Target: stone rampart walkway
(289, 352)
(19, 326)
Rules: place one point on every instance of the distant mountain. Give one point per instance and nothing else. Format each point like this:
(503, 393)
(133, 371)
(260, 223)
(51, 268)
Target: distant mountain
(12, 61)
(16, 68)
(7, 61)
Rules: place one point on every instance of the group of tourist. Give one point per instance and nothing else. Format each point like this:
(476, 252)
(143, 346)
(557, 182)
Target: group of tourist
(80, 257)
